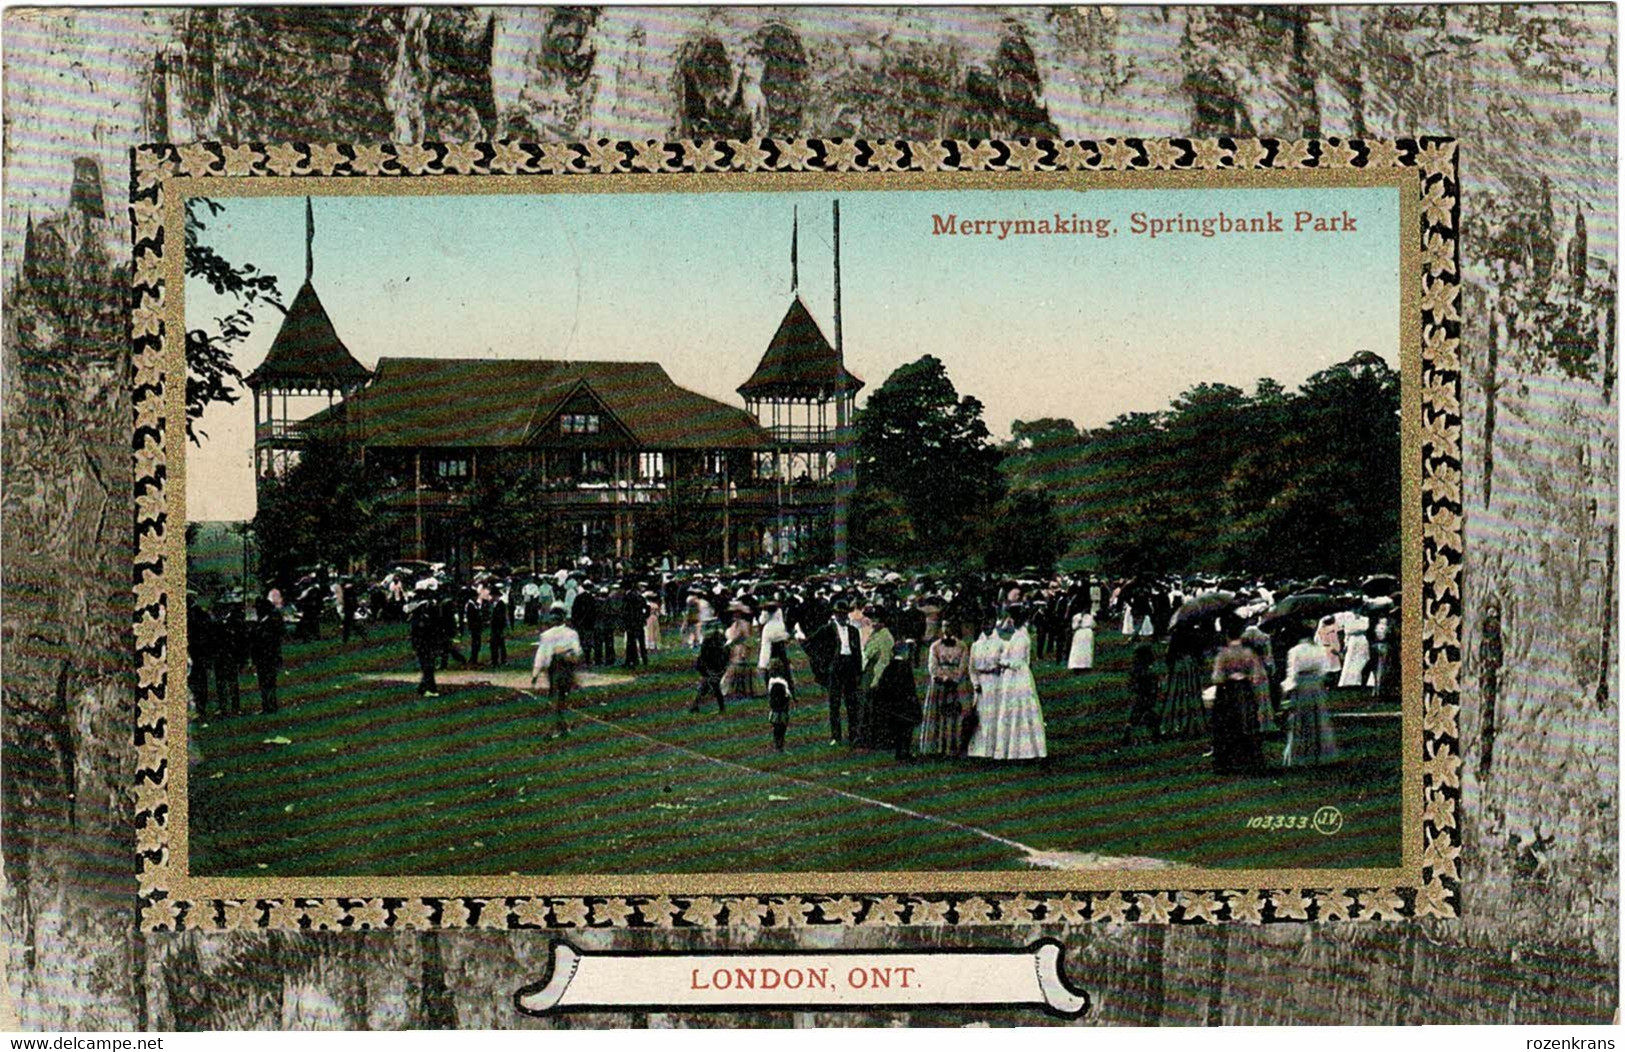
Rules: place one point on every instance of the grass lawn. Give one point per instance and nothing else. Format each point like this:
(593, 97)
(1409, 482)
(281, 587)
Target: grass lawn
(375, 780)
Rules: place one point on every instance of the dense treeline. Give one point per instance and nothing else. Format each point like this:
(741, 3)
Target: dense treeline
(1290, 483)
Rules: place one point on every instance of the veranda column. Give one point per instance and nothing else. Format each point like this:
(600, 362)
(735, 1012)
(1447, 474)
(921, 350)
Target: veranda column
(417, 500)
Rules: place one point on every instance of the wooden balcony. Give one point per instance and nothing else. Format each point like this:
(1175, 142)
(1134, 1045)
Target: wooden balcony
(807, 435)
(751, 493)
(283, 433)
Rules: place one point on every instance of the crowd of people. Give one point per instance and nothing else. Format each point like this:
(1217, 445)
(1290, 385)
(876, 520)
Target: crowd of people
(1241, 662)
(1222, 674)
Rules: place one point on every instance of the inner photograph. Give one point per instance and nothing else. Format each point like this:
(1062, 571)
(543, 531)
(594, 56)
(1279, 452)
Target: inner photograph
(824, 531)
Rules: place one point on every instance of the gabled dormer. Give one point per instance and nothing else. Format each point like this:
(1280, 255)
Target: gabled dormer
(579, 416)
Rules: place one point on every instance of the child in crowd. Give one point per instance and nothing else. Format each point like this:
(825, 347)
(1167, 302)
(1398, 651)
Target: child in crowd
(781, 691)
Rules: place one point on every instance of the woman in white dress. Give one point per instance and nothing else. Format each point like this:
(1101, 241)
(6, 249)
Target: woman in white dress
(1356, 648)
(1309, 737)
(651, 622)
(1082, 657)
(773, 631)
(986, 654)
(1017, 730)
(1327, 636)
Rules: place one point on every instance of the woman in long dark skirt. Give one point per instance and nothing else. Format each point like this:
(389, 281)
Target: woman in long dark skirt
(870, 730)
(1242, 693)
(1143, 684)
(1180, 713)
(897, 703)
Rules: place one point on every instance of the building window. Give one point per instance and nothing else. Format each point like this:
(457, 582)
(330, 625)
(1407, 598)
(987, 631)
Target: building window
(451, 468)
(651, 466)
(593, 466)
(580, 424)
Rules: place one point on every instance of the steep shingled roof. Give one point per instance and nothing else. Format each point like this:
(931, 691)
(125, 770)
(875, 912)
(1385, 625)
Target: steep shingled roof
(480, 402)
(798, 358)
(307, 349)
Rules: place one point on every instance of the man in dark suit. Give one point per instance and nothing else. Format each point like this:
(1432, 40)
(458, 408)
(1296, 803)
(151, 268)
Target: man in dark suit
(836, 655)
(474, 618)
(584, 615)
(266, 651)
(200, 648)
(446, 612)
(349, 605)
(499, 619)
(634, 618)
(609, 622)
(230, 642)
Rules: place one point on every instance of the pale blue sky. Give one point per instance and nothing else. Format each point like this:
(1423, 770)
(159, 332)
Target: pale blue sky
(1074, 326)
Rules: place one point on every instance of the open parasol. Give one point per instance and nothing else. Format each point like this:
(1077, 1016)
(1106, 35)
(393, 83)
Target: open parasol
(1305, 606)
(1381, 584)
(1206, 605)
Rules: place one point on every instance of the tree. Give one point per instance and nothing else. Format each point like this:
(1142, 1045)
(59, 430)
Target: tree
(1276, 482)
(1348, 419)
(685, 523)
(1051, 454)
(325, 510)
(1128, 515)
(1025, 532)
(919, 440)
(881, 524)
(503, 520)
(211, 373)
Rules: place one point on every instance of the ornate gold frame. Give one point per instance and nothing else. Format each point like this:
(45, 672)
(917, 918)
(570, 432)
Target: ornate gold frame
(1425, 884)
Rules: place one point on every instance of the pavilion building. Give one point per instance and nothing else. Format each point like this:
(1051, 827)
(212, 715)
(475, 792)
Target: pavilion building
(622, 462)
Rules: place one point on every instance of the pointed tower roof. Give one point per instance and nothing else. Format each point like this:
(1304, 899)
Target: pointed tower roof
(799, 361)
(307, 349)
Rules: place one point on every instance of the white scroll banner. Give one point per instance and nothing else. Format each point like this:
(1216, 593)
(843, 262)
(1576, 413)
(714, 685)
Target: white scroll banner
(810, 980)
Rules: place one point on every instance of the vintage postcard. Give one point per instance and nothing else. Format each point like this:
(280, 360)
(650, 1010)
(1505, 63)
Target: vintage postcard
(633, 532)
(808, 516)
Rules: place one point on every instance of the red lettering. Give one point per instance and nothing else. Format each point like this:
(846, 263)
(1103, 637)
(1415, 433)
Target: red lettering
(694, 982)
(857, 978)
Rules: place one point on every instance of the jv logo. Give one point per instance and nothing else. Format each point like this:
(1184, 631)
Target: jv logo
(1328, 820)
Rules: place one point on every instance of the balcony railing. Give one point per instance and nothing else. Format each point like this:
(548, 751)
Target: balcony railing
(811, 434)
(572, 493)
(284, 431)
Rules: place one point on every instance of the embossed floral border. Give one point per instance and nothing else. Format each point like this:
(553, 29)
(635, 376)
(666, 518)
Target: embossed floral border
(1433, 452)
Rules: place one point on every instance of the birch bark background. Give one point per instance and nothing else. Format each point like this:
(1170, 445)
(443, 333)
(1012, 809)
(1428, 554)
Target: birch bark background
(1529, 92)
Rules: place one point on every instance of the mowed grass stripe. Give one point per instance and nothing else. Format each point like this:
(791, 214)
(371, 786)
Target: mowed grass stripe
(414, 783)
